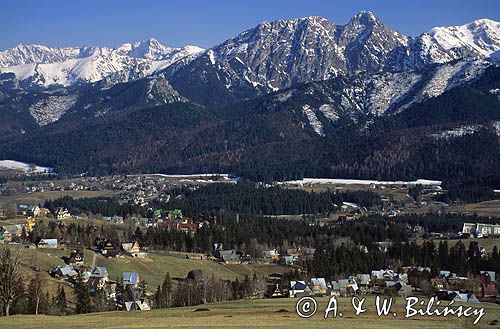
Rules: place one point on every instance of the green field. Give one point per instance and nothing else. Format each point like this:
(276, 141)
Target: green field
(152, 269)
(41, 197)
(264, 313)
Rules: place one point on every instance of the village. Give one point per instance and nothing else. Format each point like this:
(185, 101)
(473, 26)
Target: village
(77, 270)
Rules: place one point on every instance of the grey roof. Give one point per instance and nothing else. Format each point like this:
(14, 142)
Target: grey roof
(491, 274)
(50, 242)
(131, 278)
(99, 272)
(66, 270)
(363, 279)
(136, 305)
(230, 257)
(227, 252)
(298, 285)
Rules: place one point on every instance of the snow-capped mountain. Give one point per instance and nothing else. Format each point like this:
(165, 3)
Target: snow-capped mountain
(40, 66)
(480, 38)
(375, 70)
(269, 57)
(276, 55)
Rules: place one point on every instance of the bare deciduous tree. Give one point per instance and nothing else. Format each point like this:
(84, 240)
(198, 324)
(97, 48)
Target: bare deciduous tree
(35, 291)
(10, 280)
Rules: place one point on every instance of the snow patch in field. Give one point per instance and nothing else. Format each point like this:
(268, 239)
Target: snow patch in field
(339, 181)
(17, 165)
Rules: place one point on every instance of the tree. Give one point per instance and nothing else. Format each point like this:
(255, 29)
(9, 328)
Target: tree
(35, 291)
(61, 302)
(416, 192)
(166, 293)
(83, 299)
(11, 287)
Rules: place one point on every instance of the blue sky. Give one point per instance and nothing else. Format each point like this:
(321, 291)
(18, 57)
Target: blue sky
(206, 23)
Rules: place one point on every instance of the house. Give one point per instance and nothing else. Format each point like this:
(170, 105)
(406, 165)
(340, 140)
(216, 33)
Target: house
(76, 257)
(28, 210)
(271, 254)
(44, 212)
(5, 236)
(363, 280)
(95, 284)
(286, 260)
(488, 286)
(346, 287)
(14, 230)
(490, 274)
(133, 249)
(275, 291)
(466, 297)
(318, 286)
(398, 287)
(99, 272)
(48, 243)
(130, 279)
(66, 271)
(445, 274)
(230, 256)
(110, 291)
(480, 230)
(62, 214)
(137, 305)
(98, 279)
(109, 249)
(30, 224)
(295, 252)
(298, 289)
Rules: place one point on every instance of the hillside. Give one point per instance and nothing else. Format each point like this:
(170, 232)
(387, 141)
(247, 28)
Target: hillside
(447, 137)
(151, 269)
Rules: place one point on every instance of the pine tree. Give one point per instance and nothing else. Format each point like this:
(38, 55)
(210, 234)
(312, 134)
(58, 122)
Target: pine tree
(83, 299)
(158, 297)
(167, 293)
(61, 301)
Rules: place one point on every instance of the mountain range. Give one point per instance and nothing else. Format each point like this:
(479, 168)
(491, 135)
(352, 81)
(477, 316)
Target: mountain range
(293, 86)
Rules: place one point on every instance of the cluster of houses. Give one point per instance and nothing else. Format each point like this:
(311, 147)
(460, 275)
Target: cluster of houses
(172, 220)
(479, 230)
(112, 249)
(378, 282)
(134, 189)
(33, 211)
(15, 233)
(388, 282)
(449, 284)
(291, 257)
(97, 280)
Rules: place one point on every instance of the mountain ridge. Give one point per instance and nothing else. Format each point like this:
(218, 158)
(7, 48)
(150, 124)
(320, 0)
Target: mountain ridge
(268, 57)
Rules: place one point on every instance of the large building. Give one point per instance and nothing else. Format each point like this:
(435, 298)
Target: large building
(481, 230)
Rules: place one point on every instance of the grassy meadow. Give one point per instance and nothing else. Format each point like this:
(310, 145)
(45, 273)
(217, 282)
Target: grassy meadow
(264, 313)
